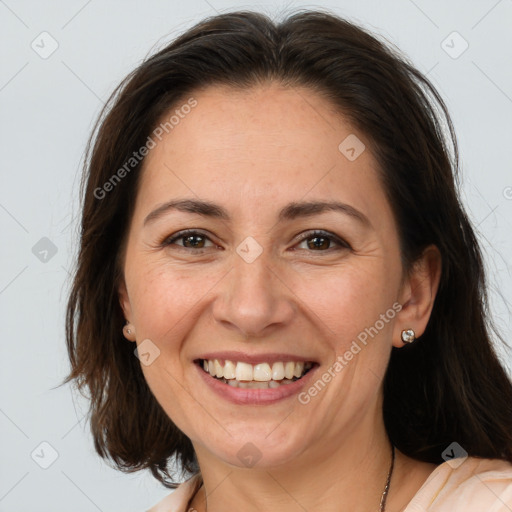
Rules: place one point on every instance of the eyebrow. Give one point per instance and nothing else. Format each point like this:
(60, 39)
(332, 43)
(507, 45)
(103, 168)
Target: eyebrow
(291, 211)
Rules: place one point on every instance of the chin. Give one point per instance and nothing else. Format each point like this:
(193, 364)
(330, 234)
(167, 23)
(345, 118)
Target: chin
(259, 450)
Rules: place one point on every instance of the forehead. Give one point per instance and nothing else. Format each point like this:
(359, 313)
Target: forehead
(271, 122)
(265, 145)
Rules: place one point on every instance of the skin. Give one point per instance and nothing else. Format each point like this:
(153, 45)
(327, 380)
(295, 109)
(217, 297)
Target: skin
(253, 152)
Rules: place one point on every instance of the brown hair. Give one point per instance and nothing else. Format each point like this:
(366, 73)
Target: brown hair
(447, 386)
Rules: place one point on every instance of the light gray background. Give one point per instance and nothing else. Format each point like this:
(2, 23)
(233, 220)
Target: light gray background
(47, 109)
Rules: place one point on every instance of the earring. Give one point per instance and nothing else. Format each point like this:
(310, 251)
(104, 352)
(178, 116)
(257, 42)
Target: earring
(408, 335)
(128, 330)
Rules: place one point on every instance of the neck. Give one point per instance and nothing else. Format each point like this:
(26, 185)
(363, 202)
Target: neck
(347, 473)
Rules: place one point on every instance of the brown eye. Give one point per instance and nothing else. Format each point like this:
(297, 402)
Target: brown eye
(318, 242)
(190, 240)
(193, 241)
(321, 241)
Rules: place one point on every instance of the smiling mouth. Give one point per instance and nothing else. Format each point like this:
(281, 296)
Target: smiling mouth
(238, 374)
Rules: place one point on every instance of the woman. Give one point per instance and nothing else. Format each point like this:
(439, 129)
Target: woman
(270, 214)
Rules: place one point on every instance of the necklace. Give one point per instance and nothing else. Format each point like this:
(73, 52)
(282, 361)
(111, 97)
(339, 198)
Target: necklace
(388, 481)
(386, 489)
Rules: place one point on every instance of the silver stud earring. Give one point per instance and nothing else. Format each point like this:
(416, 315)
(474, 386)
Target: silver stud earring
(127, 331)
(408, 335)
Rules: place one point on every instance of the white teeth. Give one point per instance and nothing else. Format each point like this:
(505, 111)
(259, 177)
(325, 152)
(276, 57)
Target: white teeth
(262, 372)
(229, 370)
(299, 368)
(219, 371)
(271, 384)
(278, 371)
(243, 371)
(289, 370)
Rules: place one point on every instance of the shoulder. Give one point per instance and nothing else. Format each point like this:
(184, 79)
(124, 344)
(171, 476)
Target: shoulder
(473, 484)
(179, 499)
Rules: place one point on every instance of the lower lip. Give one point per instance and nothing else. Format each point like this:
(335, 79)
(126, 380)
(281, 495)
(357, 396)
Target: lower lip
(247, 396)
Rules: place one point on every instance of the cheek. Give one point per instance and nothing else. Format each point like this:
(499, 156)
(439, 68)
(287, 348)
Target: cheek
(163, 297)
(348, 300)
(164, 301)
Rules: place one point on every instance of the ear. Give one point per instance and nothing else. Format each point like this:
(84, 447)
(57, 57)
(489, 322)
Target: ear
(124, 301)
(417, 295)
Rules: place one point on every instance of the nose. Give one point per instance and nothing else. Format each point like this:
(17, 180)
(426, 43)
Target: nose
(254, 299)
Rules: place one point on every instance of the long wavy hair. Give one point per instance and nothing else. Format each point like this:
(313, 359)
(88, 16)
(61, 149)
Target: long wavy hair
(447, 386)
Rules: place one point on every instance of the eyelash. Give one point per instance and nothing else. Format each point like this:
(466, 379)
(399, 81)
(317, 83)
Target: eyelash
(310, 234)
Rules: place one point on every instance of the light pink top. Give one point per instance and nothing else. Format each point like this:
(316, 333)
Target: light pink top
(476, 485)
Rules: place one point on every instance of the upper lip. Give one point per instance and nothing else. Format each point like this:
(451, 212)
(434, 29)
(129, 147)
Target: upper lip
(244, 357)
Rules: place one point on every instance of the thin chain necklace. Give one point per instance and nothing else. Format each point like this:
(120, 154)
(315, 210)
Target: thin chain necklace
(386, 489)
(388, 481)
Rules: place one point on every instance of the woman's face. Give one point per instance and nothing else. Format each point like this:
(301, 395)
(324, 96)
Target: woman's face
(254, 284)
